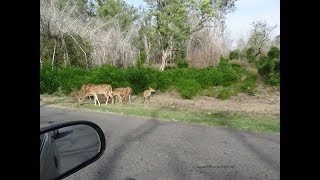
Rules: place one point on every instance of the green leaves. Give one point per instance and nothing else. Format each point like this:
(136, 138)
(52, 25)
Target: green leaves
(206, 8)
(118, 9)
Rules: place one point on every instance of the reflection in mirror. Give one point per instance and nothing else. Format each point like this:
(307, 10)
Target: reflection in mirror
(63, 149)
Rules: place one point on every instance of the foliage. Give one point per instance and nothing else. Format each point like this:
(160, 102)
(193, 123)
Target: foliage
(235, 54)
(125, 14)
(188, 81)
(274, 53)
(56, 45)
(260, 36)
(269, 66)
(249, 55)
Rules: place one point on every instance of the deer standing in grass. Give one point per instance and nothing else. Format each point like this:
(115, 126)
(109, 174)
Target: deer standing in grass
(123, 93)
(85, 87)
(120, 93)
(147, 94)
(95, 90)
(128, 94)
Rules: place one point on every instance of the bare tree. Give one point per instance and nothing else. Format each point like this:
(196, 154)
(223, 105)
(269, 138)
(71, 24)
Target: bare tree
(205, 47)
(110, 45)
(209, 39)
(260, 36)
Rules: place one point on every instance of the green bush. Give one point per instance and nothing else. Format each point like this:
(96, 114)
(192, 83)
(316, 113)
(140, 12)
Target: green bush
(269, 66)
(182, 64)
(49, 79)
(106, 75)
(188, 81)
(273, 80)
(180, 60)
(274, 53)
(250, 55)
(188, 88)
(71, 78)
(276, 67)
(249, 84)
(235, 54)
(230, 73)
(141, 79)
(265, 69)
(224, 94)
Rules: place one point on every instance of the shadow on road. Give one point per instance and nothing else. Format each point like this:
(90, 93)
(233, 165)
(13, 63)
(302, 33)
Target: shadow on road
(135, 135)
(252, 148)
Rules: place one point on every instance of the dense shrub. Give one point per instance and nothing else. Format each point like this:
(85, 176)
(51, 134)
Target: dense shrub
(269, 66)
(265, 69)
(71, 79)
(274, 53)
(273, 79)
(249, 84)
(49, 79)
(250, 55)
(180, 60)
(276, 67)
(182, 64)
(224, 94)
(188, 88)
(188, 81)
(235, 54)
(141, 79)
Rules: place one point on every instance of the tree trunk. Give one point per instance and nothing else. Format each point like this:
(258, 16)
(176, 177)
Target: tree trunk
(54, 52)
(65, 55)
(147, 47)
(165, 54)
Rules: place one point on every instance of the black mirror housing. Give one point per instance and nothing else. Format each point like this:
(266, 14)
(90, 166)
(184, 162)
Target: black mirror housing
(66, 148)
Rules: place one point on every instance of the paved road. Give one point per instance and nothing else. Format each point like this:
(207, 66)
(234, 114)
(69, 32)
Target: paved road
(138, 148)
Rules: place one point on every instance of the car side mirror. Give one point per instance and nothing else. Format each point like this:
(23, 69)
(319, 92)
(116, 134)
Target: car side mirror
(68, 147)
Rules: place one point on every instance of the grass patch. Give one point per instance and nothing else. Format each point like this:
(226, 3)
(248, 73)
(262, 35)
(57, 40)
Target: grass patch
(238, 120)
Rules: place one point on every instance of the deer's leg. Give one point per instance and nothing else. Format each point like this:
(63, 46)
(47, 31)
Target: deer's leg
(107, 98)
(96, 100)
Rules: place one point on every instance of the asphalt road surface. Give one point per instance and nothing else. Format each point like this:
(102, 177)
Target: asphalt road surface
(141, 148)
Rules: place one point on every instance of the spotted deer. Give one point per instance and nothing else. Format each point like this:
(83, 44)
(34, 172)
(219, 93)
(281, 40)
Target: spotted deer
(85, 87)
(147, 94)
(119, 93)
(95, 90)
(128, 94)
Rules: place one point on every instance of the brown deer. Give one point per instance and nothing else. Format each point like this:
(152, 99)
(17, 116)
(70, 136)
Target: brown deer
(85, 87)
(128, 94)
(147, 94)
(95, 90)
(120, 93)
(123, 93)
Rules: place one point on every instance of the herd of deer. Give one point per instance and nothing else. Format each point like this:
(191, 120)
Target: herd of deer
(122, 93)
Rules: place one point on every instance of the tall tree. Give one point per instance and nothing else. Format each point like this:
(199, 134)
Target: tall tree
(175, 21)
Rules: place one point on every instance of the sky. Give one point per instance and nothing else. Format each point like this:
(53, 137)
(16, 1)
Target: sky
(247, 11)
